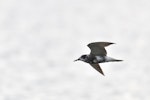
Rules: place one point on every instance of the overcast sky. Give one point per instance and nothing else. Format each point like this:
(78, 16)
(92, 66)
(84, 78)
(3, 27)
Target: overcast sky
(39, 39)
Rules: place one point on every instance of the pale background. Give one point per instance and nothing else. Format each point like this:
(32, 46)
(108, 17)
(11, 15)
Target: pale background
(39, 39)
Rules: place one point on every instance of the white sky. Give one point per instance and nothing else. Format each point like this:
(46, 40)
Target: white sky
(39, 39)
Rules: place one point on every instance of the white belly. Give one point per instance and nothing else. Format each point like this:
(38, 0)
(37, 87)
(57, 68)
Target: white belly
(99, 58)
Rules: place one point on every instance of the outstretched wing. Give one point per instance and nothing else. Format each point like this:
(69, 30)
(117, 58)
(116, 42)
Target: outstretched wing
(98, 48)
(97, 67)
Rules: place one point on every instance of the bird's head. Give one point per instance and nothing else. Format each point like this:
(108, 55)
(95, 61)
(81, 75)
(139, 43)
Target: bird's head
(82, 58)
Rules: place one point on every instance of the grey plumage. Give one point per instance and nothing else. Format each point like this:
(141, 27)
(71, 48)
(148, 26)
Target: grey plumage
(97, 48)
(97, 67)
(97, 55)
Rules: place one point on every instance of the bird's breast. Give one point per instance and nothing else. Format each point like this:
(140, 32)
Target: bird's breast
(99, 59)
(95, 59)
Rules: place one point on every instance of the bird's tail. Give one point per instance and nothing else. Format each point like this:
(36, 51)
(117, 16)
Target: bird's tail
(109, 59)
(117, 60)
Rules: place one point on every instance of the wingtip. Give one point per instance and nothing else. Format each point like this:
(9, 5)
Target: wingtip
(103, 74)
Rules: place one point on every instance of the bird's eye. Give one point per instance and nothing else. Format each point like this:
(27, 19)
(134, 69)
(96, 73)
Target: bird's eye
(84, 56)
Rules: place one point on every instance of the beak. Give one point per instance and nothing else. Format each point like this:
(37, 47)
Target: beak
(76, 60)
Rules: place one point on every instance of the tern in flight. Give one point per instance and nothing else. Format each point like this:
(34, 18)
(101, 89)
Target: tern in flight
(98, 55)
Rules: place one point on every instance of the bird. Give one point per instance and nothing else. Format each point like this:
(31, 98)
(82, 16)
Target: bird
(97, 55)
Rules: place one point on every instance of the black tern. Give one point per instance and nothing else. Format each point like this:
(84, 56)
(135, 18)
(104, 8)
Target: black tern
(98, 55)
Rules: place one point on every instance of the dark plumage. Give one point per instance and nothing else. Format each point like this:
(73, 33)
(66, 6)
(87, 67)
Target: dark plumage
(97, 55)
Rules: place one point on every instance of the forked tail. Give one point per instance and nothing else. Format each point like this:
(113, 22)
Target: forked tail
(109, 59)
(117, 60)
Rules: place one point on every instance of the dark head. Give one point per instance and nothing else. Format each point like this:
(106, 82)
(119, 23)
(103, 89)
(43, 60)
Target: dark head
(82, 58)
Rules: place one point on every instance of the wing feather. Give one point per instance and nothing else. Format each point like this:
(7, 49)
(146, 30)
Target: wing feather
(98, 68)
(98, 48)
